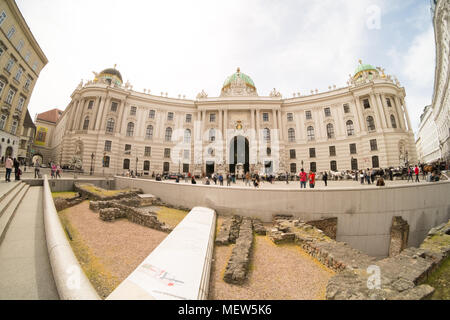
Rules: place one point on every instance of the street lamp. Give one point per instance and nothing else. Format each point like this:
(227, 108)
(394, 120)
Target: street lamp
(92, 160)
(136, 166)
(302, 164)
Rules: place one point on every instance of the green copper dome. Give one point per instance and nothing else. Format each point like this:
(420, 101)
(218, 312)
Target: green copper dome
(247, 80)
(363, 67)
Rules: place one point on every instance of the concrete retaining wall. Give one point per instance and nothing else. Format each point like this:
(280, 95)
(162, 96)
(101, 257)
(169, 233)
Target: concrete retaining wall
(364, 215)
(70, 280)
(61, 185)
(179, 268)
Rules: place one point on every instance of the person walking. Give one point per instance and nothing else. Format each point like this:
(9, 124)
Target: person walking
(325, 178)
(410, 174)
(391, 174)
(247, 179)
(36, 169)
(416, 171)
(228, 179)
(221, 179)
(193, 180)
(361, 176)
(58, 171)
(287, 177)
(8, 166)
(303, 177)
(312, 179)
(16, 165)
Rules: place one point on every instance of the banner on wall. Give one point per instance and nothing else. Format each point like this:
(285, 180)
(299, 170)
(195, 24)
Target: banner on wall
(41, 135)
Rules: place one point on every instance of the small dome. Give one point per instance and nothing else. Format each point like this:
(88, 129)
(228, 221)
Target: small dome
(113, 72)
(363, 68)
(239, 75)
(110, 75)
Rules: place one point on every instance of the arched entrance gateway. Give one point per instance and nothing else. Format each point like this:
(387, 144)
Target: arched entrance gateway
(239, 155)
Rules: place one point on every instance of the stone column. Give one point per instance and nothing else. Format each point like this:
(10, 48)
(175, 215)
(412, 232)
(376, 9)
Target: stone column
(79, 123)
(280, 127)
(221, 122)
(381, 111)
(374, 106)
(401, 116)
(225, 137)
(406, 113)
(361, 121)
(258, 121)
(98, 121)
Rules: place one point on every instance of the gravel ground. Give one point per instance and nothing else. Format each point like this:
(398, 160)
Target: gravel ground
(120, 246)
(277, 272)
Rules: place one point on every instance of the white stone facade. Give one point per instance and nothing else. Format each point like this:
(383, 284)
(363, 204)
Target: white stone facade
(427, 144)
(112, 128)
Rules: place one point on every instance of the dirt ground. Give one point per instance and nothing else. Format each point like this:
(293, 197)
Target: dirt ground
(277, 272)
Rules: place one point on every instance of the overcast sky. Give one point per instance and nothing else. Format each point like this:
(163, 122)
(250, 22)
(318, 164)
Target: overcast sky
(182, 47)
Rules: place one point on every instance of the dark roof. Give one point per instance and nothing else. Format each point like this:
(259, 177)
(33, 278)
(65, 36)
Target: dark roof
(113, 72)
(28, 122)
(50, 116)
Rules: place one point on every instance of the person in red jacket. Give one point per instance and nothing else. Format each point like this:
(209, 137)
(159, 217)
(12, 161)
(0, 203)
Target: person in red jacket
(416, 171)
(303, 177)
(312, 179)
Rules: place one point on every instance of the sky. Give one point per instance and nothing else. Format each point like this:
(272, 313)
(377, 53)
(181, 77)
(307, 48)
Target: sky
(184, 47)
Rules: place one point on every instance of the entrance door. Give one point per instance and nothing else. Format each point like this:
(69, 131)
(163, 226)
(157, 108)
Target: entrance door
(209, 168)
(239, 153)
(268, 168)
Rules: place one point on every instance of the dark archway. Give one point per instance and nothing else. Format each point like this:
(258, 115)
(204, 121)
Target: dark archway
(239, 153)
(9, 152)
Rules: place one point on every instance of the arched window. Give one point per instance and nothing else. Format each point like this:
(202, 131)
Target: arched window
(266, 134)
(149, 132)
(291, 135)
(370, 123)
(187, 136)
(168, 136)
(126, 164)
(310, 133)
(350, 129)
(375, 162)
(86, 123)
(212, 135)
(130, 129)
(393, 122)
(146, 165)
(110, 125)
(330, 131)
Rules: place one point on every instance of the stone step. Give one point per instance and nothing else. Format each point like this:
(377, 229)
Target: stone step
(9, 206)
(7, 188)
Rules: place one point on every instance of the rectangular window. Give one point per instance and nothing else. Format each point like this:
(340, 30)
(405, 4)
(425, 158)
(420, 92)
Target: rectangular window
(212, 117)
(3, 119)
(170, 116)
(19, 74)
(27, 56)
(373, 145)
(188, 118)
(293, 168)
(308, 115)
(2, 49)
(28, 83)
(346, 108)
(388, 101)
(11, 32)
(166, 153)
(127, 147)
(35, 66)
(290, 117)
(106, 162)
(147, 151)
(166, 167)
(186, 154)
(20, 104)
(10, 96)
(333, 165)
(312, 152)
(185, 167)
(2, 85)
(14, 127)
(352, 148)
(292, 154)
(366, 103)
(20, 45)
(90, 104)
(10, 64)
(114, 106)
(151, 114)
(332, 151)
(132, 111)
(265, 117)
(327, 112)
(313, 166)
(2, 17)
(108, 145)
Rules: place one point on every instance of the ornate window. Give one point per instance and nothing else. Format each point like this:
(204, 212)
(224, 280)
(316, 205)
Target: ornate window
(350, 128)
(3, 119)
(108, 145)
(366, 104)
(10, 96)
(168, 136)
(212, 135)
(2, 85)
(291, 135)
(212, 117)
(130, 129)
(151, 114)
(393, 122)
(86, 123)
(169, 116)
(167, 153)
(11, 32)
(149, 132)
(346, 108)
(90, 104)
(132, 111)
(20, 104)
(188, 118)
(14, 127)
(332, 150)
(370, 123)
(110, 125)
(266, 134)
(327, 112)
(310, 133)
(147, 151)
(265, 117)
(114, 106)
(388, 102)
(352, 148)
(2, 17)
(10, 64)
(330, 131)
(308, 115)
(292, 154)
(187, 136)
(312, 152)
(290, 117)
(373, 145)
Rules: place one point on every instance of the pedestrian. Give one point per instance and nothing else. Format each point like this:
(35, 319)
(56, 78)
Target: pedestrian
(361, 176)
(416, 171)
(193, 180)
(186, 177)
(372, 176)
(391, 174)
(36, 169)
(58, 171)
(312, 179)
(287, 177)
(303, 177)
(410, 174)
(16, 165)
(8, 166)
(228, 179)
(221, 179)
(52, 170)
(325, 178)
(207, 182)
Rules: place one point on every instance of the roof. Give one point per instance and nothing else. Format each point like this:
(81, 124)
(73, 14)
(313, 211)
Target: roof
(113, 72)
(28, 122)
(50, 116)
(247, 80)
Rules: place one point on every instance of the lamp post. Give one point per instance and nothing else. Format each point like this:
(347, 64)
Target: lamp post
(137, 159)
(92, 160)
(302, 164)
(103, 163)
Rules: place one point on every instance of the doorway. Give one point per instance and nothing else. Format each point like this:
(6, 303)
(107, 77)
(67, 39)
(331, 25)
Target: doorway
(239, 153)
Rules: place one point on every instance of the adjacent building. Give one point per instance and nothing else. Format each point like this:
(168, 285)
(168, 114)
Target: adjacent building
(21, 61)
(110, 128)
(43, 139)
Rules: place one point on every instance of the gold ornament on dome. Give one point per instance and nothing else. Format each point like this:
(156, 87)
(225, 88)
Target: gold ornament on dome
(239, 125)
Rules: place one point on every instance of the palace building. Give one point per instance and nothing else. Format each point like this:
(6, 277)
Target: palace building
(110, 128)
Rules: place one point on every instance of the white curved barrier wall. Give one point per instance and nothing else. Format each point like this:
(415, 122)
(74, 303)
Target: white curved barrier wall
(179, 268)
(364, 215)
(70, 280)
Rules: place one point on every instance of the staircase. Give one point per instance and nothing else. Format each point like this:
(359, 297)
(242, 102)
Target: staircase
(11, 194)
